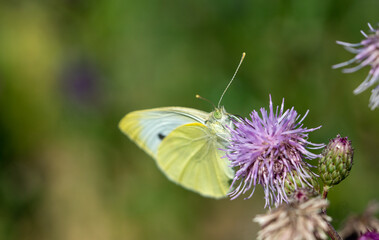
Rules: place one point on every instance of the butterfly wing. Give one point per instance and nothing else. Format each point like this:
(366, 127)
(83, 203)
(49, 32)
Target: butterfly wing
(190, 156)
(149, 127)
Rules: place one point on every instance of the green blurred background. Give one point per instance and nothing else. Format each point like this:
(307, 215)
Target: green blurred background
(71, 69)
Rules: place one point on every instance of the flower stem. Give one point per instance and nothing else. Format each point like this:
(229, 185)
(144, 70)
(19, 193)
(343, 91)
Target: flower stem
(324, 195)
(333, 234)
(325, 191)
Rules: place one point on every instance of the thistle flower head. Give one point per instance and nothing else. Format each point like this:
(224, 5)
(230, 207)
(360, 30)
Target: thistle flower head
(295, 221)
(367, 54)
(359, 224)
(266, 149)
(370, 236)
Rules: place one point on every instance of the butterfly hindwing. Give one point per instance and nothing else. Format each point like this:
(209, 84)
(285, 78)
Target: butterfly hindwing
(149, 127)
(190, 156)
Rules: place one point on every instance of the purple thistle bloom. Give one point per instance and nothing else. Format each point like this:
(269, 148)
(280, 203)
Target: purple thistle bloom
(370, 236)
(367, 54)
(268, 148)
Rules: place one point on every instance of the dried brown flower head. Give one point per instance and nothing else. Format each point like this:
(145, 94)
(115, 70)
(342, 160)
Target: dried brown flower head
(295, 220)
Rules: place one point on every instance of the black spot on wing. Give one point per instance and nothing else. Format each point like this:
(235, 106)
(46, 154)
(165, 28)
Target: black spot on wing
(161, 136)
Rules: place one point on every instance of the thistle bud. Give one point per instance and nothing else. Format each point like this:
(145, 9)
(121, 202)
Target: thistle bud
(336, 161)
(307, 180)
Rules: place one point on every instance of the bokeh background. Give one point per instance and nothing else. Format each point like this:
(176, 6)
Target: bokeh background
(71, 69)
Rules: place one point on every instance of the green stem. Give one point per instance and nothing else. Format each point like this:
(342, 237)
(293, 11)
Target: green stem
(333, 234)
(325, 191)
(324, 195)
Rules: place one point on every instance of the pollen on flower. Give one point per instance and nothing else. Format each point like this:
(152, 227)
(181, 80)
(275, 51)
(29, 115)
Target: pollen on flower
(367, 54)
(268, 149)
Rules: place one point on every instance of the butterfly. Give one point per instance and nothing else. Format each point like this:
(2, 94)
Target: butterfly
(186, 144)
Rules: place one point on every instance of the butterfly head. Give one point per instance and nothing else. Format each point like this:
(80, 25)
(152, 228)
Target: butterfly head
(219, 114)
(220, 122)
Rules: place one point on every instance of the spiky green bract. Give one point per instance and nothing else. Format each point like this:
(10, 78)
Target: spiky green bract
(294, 182)
(336, 161)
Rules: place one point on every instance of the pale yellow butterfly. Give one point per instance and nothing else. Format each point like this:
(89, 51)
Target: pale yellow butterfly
(186, 143)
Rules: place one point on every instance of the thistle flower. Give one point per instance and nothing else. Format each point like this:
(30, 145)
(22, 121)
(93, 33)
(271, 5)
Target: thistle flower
(295, 221)
(367, 55)
(370, 236)
(268, 148)
(360, 224)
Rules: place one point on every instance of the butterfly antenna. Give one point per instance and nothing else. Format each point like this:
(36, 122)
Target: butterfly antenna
(200, 97)
(243, 56)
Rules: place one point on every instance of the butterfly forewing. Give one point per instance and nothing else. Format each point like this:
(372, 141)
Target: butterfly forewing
(190, 156)
(149, 127)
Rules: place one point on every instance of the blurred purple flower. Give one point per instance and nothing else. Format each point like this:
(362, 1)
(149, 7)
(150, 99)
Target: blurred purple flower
(81, 82)
(266, 149)
(356, 225)
(370, 236)
(367, 54)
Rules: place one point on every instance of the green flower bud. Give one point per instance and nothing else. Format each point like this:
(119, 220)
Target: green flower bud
(294, 182)
(336, 161)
